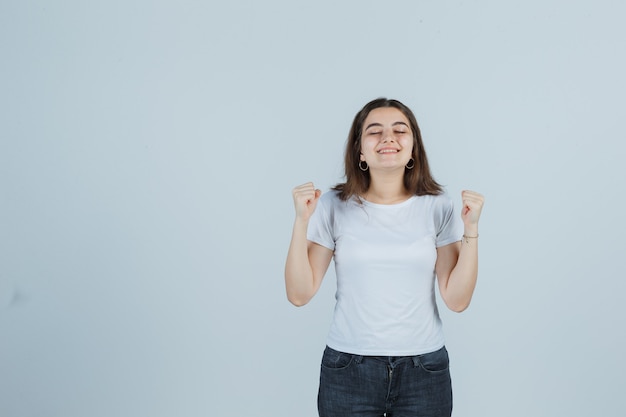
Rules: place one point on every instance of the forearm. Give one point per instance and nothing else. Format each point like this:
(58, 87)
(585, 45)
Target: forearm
(463, 276)
(298, 272)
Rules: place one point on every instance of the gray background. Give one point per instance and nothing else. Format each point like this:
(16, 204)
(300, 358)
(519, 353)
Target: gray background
(147, 156)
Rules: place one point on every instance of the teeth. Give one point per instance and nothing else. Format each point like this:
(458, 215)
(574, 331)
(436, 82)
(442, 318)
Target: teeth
(388, 151)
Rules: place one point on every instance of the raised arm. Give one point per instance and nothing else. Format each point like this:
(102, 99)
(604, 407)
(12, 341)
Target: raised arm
(457, 263)
(307, 262)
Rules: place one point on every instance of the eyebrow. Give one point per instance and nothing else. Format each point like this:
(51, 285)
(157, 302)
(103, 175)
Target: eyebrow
(380, 125)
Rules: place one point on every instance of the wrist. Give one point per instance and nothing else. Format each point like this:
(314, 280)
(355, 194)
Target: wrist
(471, 230)
(301, 222)
(468, 238)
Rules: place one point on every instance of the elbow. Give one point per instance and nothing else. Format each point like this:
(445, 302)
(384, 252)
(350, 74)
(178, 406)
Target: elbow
(297, 295)
(458, 306)
(298, 301)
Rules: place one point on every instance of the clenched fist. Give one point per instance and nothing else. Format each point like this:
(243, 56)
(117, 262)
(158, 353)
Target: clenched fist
(472, 206)
(305, 199)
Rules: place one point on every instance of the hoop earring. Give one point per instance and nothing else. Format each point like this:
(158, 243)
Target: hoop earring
(410, 164)
(363, 168)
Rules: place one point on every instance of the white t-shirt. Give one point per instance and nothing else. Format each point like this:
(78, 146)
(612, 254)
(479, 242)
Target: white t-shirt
(385, 265)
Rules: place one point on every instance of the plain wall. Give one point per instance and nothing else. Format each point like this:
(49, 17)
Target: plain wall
(147, 154)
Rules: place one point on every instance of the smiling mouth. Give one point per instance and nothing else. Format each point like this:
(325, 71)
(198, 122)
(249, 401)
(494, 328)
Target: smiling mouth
(388, 151)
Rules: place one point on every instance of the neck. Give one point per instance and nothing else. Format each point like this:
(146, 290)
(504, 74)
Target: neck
(387, 189)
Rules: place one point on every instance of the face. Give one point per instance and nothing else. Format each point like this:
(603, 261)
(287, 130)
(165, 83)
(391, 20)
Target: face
(387, 139)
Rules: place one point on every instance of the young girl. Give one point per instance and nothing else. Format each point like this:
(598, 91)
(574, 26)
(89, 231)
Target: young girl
(391, 230)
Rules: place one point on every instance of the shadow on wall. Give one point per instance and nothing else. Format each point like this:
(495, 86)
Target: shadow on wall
(11, 296)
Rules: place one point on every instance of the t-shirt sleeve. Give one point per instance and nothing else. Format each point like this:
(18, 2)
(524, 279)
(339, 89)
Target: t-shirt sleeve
(448, 223)
(320, 228)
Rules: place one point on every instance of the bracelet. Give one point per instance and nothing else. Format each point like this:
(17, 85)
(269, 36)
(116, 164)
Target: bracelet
(467, 238)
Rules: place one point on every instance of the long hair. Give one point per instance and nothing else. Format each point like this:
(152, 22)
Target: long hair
(418, 181)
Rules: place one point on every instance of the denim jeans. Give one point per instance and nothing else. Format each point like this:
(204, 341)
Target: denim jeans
(392, 386)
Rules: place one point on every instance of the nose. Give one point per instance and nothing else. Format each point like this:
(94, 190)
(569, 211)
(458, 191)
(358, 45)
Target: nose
(389, 138)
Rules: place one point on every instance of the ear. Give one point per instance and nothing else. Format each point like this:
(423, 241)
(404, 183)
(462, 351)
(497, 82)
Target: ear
(361, 157)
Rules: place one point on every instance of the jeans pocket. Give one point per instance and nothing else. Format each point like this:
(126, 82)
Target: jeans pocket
(333, 359)
(437, 361)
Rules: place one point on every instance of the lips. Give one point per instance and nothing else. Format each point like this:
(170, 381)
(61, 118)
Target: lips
(388, 150)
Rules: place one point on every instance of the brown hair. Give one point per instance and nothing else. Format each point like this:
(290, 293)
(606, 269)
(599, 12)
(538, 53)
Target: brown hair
(418, 180)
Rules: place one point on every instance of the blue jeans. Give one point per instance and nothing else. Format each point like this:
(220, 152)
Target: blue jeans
(392, 386)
